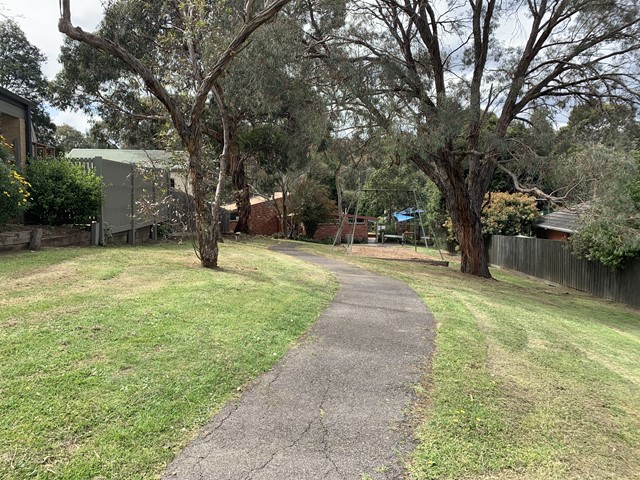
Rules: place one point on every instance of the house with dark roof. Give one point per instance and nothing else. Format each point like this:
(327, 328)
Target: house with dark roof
(16, 126)
(556, 225)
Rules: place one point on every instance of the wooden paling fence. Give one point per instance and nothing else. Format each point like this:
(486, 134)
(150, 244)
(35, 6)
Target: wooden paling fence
(552, 260)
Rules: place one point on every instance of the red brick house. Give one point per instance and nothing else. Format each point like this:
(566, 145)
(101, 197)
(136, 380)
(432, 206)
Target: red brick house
(327, 231)
(264, 219)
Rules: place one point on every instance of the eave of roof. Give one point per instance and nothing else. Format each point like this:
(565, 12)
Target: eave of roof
(562, 221)
(15, 99)
(556, 229)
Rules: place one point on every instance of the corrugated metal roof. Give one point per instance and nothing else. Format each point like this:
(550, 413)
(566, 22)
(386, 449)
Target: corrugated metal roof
(562, 221)
(126, 156)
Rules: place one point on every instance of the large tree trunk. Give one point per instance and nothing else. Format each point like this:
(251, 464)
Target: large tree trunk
(241, 191)
(466, 215)
(468, 228)
(464, 198)
(206, 241)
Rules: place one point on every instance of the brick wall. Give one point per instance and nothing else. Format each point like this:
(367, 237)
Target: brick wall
(329, 230)
(555, 235)
(263, 220)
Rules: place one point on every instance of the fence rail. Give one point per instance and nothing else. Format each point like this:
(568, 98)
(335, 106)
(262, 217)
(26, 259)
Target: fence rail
(553, 261)
(127, 190)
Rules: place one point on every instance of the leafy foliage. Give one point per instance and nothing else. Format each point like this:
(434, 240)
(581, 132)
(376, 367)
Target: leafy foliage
(312, 205)
(6, 149)
(20, 72)
(508, 214)
(14, 193)
(609, 230)
(63, 193)
(67, 138)
(612, 125)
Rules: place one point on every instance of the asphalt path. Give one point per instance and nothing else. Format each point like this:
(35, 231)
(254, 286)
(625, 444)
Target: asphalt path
(337, 406)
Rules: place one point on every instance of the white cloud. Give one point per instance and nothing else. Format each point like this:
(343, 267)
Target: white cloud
(75, 118)
(39, 21)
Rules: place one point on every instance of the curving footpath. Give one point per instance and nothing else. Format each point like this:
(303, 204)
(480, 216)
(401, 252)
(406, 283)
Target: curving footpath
(335, 407)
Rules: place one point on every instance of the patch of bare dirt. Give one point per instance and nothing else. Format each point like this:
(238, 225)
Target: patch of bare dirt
(391, 253)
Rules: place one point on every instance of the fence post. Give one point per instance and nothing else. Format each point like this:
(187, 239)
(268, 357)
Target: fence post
(131, 239)
(94, 233)
(99, 172)
(170, 212)
(35, 239)
(154, 228)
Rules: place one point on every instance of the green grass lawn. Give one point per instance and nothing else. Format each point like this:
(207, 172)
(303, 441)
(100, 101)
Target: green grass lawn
(112, 358)
(529, 381)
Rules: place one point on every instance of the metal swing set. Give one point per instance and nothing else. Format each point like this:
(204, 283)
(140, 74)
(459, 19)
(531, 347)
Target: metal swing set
(417, 210)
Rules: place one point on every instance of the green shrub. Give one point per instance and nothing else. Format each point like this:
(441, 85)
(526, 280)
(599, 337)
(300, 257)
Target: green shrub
(14, 193)
(608, 230)
(62, 193)
(509, 214)
(6, 150)
(502, 214)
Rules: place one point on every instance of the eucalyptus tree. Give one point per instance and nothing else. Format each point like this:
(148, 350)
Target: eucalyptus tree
(177, 52)
(21, 73)
(125, 115)
(454, 76)
(67, 138)
(613, 125)
(277, 116)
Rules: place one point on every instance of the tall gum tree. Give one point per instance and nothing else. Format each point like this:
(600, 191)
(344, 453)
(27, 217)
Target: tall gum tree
(186, 112)
(276, 113)
(21, 72)
(442, 72)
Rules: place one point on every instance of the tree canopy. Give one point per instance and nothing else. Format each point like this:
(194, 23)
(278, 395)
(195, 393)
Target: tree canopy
(460, 89)
(449, 81)
(175, 53)
(21, 73)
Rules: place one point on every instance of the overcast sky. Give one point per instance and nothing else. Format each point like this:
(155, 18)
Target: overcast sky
(39, 21)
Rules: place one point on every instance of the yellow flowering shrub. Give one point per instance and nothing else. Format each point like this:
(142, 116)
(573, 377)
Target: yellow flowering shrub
(14, 193)
(6, 150)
